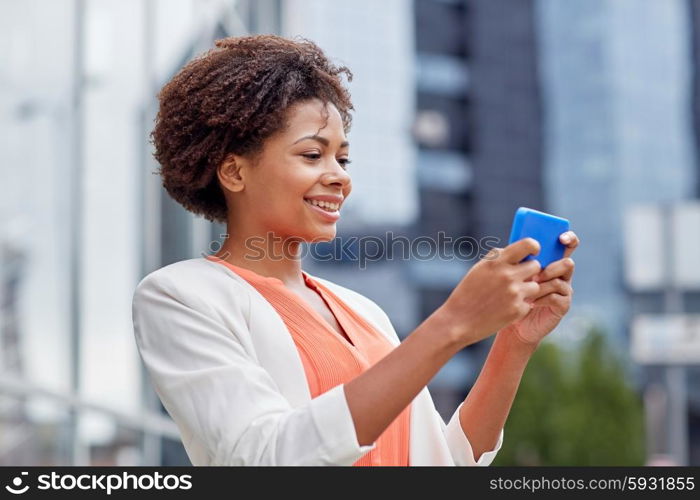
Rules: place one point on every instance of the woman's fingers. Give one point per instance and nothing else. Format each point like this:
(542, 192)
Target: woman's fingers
(515, 252)
(557, 285)
(558, 302)
(571, 241)
(563, 269)
(528, 269)
(531, 290)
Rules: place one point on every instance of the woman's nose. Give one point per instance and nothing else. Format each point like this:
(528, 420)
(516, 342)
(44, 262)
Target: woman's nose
(338, 175)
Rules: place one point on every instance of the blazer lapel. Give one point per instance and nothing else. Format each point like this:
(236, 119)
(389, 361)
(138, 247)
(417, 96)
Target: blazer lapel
(274, 346)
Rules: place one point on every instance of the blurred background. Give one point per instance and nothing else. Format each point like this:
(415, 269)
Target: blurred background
(465, 110)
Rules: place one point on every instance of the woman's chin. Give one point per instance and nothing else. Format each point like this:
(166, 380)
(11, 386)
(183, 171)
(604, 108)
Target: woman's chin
(320, 236)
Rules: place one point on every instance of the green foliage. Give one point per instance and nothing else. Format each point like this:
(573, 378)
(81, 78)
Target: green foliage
(574, 409)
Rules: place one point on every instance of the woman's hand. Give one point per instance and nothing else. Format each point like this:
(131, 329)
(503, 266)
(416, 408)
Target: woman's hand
(494, 293)
(552, 301)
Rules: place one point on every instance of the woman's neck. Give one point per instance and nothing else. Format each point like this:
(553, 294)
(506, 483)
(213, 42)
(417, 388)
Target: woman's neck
(269, 256)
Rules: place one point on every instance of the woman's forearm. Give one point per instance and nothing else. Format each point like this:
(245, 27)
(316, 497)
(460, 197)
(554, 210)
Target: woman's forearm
(487, 405)
(379, 395)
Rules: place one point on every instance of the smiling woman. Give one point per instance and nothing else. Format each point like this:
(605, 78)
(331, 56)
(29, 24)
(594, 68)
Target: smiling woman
(295, 186)
(228, 101)
(261, 363)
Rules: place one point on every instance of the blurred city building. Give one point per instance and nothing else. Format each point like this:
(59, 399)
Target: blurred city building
(478, 130)
(83, 219)
(617, 89)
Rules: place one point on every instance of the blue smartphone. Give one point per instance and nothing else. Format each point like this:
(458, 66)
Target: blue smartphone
(545, 228)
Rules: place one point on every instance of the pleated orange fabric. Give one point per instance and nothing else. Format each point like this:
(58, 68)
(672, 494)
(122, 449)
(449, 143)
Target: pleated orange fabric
(328, 358)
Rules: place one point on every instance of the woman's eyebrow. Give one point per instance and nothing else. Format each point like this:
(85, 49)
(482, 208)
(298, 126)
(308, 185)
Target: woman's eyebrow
(322, 140)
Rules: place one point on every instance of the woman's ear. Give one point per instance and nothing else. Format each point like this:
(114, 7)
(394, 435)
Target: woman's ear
(230, 173)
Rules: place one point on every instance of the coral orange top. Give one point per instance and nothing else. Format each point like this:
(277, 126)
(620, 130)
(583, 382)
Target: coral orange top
(328, 358)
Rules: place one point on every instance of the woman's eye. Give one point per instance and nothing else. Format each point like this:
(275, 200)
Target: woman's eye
(315, 156)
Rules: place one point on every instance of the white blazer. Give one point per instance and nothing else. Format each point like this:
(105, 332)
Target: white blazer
(227, 371)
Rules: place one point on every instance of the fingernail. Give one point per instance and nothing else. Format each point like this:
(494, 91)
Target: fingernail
(566, 238)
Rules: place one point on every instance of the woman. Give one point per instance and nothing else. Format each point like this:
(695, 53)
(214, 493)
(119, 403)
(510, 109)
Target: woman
(261, 363)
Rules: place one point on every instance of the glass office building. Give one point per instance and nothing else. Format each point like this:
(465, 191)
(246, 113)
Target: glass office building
(619, 83)
(83, 219)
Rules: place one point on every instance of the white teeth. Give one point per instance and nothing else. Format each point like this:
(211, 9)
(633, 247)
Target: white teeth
(331, 207)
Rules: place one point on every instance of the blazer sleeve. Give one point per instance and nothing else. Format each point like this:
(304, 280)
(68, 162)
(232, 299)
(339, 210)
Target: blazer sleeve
(461, 448)
(220, 396)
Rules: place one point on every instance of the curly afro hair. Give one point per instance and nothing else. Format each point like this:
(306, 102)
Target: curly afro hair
(229, 100)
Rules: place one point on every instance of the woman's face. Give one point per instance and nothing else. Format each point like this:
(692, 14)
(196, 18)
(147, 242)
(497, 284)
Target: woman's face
(304, 162)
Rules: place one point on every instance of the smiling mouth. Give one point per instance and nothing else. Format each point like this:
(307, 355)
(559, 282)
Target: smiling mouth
(325, 206)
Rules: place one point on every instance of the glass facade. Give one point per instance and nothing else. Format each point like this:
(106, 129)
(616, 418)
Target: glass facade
(83, 219)
(618, 129)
